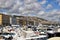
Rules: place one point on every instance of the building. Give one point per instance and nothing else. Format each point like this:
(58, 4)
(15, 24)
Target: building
(17, 20)
(4, 19)
(24, 20)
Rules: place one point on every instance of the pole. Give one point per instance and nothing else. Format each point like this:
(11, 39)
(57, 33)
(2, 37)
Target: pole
(11, 20)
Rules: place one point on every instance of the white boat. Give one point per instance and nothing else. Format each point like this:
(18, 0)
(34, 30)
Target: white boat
(32, 35)
(21, 34)
(50, 31)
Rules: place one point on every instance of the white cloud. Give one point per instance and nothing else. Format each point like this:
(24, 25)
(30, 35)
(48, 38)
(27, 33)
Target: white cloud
(59, 3)
(30, 8)
(22, 6)
(49, 6)
(54, 15)
(41, 13)
(43, 2)
(6, 3)
(53, 11)
(29, 1)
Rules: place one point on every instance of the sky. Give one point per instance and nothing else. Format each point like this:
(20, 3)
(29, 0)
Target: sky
(47, 9)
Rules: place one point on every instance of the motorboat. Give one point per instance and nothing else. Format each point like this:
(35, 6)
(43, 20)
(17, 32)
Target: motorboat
(35, 35)
(7, 36)
(19, 33)
(51, 31)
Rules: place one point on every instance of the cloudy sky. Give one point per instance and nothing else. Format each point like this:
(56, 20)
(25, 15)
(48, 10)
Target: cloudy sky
(47, 9)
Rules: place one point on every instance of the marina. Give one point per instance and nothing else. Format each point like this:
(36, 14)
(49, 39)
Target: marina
(27, 28)
(29, 19)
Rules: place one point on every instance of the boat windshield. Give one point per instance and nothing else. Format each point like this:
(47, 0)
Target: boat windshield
(49, 29)
(7, 33)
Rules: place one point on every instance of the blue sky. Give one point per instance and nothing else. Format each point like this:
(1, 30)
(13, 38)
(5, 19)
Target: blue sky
(39, 8)
(54, 3)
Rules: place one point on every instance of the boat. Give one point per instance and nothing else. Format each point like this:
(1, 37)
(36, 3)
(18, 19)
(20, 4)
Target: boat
(35, 35)
(18, 33)
(29, 34)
